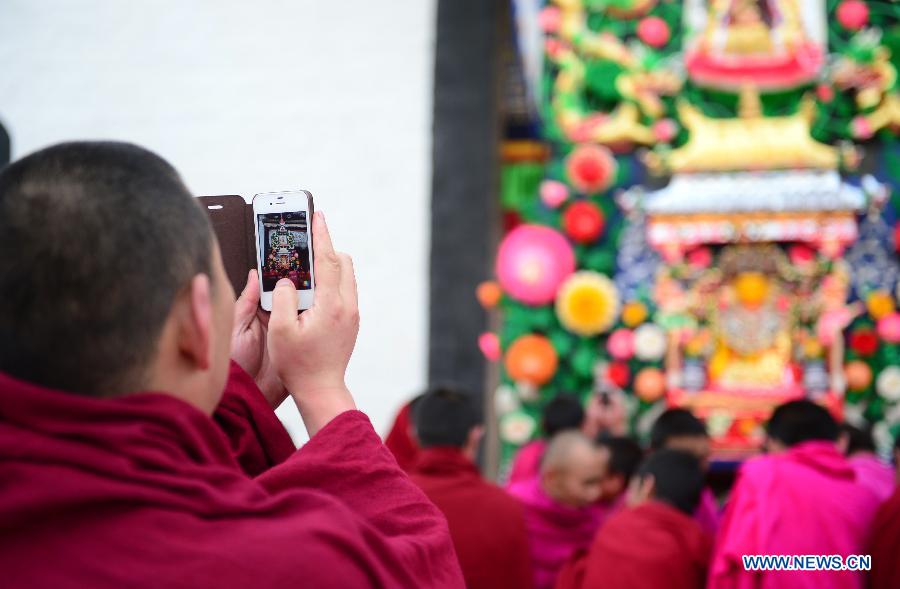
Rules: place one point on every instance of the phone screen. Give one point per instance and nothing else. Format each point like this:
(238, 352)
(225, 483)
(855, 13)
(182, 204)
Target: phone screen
(284, 246)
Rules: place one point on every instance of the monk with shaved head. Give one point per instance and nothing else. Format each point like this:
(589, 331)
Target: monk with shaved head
(561, 515)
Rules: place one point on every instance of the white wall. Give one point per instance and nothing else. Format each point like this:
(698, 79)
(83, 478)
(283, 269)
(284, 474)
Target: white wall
(244, 97)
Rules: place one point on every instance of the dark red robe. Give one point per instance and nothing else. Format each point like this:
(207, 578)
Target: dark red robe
(400, 440)
(647, 547)
(885, 545)
(487, 525)
(145, 491)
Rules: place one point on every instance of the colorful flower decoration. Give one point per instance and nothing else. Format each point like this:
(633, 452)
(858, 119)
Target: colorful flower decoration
(517, 427)
(549, 19)
(531, 359)
(532, 262)
(860, 128)
(583, 221)
(634, 313)
(591, 168)
(618, 373)
(653, 31)
(889, 328)
(824, 93)
(664, 130)
(621, 344)
(489, 344)
(553, 193)
(801, 255)
(880, 303)
(888, 383)
(853, 14)
(858, 375)
(650, 384)
(700, 258)
(506, 400)
(488, 294)
(649, 342)
(864, 342)
(587, 303)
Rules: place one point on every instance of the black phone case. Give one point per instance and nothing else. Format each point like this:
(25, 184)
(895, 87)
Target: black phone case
(232, 221)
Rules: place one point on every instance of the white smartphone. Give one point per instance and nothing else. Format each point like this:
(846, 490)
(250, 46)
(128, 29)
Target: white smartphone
(284, 246)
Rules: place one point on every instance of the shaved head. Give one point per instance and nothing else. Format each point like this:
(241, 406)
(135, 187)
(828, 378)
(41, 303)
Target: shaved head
(572, 469)
(565, 448)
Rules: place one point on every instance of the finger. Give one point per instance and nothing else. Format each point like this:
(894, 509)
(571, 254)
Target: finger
(247, 303)
(348, 281)
(284, 305)
(328, 266)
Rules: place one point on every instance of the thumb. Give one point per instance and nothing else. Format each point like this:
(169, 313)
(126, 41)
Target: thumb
(245, 306)
(284, 304)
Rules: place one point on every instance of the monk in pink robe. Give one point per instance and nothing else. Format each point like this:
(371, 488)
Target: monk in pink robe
(873, 472)
(563, 412)
(803, 498)
(560, 506)
(113, 472)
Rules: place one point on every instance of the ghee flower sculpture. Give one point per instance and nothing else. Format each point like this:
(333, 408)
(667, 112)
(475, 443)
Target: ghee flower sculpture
(880, 304)
(532, 262)
(634, 313)
(587, 303)
(888, 383)
(649, 342)
(591, 168)
(517, 427)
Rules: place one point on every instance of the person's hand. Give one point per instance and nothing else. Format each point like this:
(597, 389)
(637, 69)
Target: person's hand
(248, 342)
(310, 351)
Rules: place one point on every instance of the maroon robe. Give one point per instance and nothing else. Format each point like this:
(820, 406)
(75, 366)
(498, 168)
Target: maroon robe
(646, 547)
(487, 525)
(885, 545)
(400, 441)
(144, 491)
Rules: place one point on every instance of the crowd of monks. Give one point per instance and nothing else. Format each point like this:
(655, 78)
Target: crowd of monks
(139, 445)
(599, 511)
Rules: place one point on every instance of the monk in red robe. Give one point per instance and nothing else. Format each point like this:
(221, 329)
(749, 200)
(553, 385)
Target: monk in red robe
(679, 429)
(655, 541)
(802, 498)
(116, 322)
(487, 525)
(885, 543)
(400, 440)
(561, 511)
(563, 412)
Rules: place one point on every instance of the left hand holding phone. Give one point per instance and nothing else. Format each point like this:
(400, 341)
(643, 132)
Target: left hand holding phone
(310, 351)
(248, 342)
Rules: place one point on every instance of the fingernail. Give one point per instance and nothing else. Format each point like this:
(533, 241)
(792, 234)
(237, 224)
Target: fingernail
(284, 282)
(321, 215)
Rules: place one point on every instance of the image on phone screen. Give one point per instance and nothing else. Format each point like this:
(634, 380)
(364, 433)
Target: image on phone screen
(284, 243)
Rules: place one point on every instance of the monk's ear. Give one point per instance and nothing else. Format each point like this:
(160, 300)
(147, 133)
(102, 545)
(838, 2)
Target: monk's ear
(475, 436)
(195, 323)
(640, 490)
(648, 486)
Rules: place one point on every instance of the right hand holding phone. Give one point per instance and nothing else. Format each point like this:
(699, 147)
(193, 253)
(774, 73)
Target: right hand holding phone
(311, 350)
